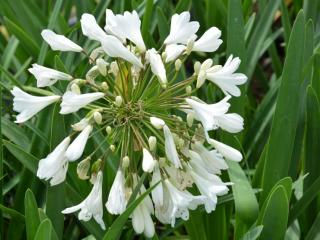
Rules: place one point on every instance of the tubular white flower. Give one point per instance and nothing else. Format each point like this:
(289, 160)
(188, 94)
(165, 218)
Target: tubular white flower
(147, 162)
(90, 28)
(157, 192)
(28, 105)
(72, 102)
(55, 165)
(173, 51)
(207, 113)
(182, 201)
(211, 188)
(181, 29)
(92, 205)
(142, 221)
(114, 48)
(157, 122)
(227, 151)
(157, 66)
(47, 76)
(59, 42)
(230, 122)
(225, 78)
(126, 26)
(117, 201)
(209, 41)
(170, 147)
(76, 148)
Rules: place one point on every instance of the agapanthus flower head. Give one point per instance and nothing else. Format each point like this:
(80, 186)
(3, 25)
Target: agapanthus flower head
(154, 121)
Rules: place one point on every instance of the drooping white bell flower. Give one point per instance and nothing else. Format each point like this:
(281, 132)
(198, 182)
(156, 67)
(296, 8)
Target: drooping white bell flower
(170, 147)
(181, 202)
(157, 122)
(210, 186)
(90, 28)
(173, 51)
(28, 105)
(209, 41)
(157, 66)
(117, 201)
(59, 42)
(126, 26)
(213, 161)
(114, 48)
(47, 76)
(55, 165)
(92, 205)
(207, 113)
(227, 151)
(72, 102)
(225, 78)
(148, 161)
(230, 122)
(181, 29)
(157, 192)
(142, 221)
(76, 148)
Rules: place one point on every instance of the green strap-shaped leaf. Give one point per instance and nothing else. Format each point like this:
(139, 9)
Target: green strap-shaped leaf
(44, 230)
(253, 234)
(274, 215)
(281, 140)
(31, 215)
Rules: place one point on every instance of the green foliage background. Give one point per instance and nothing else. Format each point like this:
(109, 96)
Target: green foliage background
(277, 185)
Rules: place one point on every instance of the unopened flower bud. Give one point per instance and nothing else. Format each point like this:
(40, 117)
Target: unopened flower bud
(190, 45)
(95, 53)
(197, 66)
(104, 86)
(152, 143)
(112, 148)
(188, 89)
(177, 64)
(108, 130)
(114, 69)
(118, 101)
(75, 88)
(190, 117)
(157, 122)
(201, 78)
(97, 117)
(92, 73)
(102, 66)
(83, 168)
(125, 162)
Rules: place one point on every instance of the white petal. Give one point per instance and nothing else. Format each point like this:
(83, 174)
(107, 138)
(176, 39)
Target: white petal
(114, 48)
(209, 41)
(117, 202)
(137, 220)
(147, 162)
(55, 165)
(170, 147)
(72, 102)
(227, 151)
(90, 27)
(28, 105)
(157, 192)
(59, 42)
(47, 76)
(76, 148)
(157, 66)
(181, 28)
(148, 223)
(173, 51)
(126, 26)
(231, 122)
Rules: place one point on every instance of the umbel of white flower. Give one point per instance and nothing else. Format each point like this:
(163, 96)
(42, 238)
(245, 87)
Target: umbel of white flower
(129, 98)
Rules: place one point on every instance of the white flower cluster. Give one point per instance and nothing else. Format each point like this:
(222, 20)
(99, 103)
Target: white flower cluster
(142, 118)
